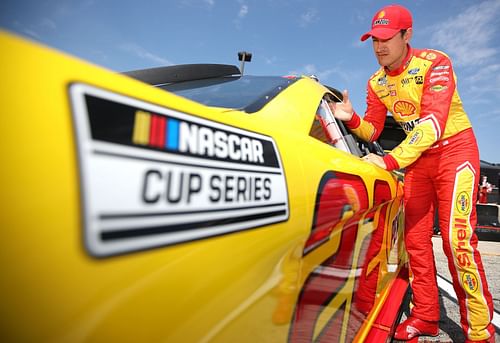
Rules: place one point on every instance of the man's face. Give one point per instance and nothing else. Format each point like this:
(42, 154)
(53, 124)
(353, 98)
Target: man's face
(391, 52)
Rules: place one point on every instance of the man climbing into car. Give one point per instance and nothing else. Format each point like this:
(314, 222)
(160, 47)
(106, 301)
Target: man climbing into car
(441, 158)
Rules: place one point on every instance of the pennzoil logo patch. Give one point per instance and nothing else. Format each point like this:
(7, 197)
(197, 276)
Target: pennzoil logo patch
(470, 282)
(152, 176)
(463, 203)
(416, 136)
(431, 56)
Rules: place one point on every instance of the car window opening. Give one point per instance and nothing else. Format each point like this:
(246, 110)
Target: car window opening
(333, 132)
(331, 126)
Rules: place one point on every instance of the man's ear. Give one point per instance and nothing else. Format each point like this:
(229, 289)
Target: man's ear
(408, 35)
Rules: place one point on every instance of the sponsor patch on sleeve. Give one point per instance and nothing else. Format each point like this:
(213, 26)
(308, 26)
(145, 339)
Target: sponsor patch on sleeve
(152, 176)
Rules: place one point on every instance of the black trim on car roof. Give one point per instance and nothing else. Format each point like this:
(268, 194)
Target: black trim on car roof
(183, 72)
(260, 103)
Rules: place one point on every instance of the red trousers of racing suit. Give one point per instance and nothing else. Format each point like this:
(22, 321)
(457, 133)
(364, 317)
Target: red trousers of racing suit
(446, 176)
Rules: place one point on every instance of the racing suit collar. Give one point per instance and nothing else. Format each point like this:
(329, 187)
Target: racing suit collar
(403, 65)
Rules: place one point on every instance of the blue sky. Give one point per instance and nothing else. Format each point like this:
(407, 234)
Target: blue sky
(318, 37)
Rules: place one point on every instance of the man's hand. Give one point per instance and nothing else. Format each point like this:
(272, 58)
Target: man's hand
(375, 159)
(342, 110)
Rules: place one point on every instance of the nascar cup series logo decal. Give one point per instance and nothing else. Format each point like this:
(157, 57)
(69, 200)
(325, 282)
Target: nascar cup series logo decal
(152, 176)
(158, 131)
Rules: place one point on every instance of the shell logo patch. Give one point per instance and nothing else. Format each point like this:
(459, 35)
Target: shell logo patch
(404, 108)
(470, 283)
(463, 203)
(381, 14)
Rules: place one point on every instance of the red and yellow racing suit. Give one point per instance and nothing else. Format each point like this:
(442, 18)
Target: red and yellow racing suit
(441, 158)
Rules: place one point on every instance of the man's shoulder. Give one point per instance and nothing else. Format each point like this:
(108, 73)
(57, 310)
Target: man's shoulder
(430, 54)
(377, 75)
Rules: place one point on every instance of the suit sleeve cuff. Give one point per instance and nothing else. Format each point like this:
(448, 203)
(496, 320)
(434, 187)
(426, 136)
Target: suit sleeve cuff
(354, 122)
(390, 163)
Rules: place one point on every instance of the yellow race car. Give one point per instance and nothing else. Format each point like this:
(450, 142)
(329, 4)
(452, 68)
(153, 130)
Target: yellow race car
(188, 204)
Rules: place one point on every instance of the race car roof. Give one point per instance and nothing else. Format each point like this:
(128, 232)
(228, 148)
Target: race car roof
(218, 85)
(246, 93)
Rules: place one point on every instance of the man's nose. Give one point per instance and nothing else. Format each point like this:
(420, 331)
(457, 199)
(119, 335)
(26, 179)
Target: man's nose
(379, 46)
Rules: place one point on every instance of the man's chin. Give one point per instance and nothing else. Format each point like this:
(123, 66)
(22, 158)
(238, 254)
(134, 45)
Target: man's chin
(382, 62)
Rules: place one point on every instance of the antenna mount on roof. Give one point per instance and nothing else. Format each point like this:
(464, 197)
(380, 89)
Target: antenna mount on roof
(244, 56)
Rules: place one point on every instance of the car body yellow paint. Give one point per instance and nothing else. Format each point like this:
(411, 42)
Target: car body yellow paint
(239, 287)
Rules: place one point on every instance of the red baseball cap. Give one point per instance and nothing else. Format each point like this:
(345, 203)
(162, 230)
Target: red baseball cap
(388, 21)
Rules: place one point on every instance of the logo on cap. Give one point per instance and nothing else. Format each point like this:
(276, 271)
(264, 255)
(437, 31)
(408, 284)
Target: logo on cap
(381, 20)
(388, 21)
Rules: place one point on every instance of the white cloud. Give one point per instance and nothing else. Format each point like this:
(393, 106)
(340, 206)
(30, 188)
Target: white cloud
(486, 118)
(310, 16)
(487, 73)
(35, 30)
(482, 86)
(270, 60)
(140, 52)
(197, 3)
(243, 11)
(468, 36)
(324, 75)
(48, 23)
(31, 33)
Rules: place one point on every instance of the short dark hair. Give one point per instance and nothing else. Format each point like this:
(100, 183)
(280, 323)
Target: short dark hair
(403, 31)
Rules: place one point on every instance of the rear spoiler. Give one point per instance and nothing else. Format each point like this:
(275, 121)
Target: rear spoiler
(183, 72)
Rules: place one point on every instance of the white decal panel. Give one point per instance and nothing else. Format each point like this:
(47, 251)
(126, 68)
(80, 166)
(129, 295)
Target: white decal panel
(152, 176)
